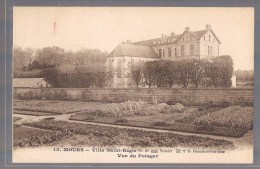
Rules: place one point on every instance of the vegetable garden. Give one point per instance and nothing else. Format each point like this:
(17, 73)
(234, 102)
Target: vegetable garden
(112, 136)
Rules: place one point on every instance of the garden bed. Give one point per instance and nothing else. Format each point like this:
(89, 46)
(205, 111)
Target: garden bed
(162, 116)
(200, 129)
(34, 113)
(16, 119)
(113, 136)
(28, 137)
(56, 107)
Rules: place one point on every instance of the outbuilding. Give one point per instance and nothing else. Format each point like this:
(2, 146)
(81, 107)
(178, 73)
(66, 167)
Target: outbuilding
(32, 82)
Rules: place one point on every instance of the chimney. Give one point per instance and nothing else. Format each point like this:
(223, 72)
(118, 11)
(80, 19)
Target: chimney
(208, 27)
(162, 35)
(187, 29)
(172, 34)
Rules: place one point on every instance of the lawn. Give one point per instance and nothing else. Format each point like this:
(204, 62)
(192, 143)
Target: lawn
(95, 135)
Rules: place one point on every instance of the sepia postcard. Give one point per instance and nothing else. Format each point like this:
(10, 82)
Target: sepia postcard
(133, 85)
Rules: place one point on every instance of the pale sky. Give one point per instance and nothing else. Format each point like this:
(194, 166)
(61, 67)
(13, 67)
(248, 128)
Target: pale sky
(105, 27)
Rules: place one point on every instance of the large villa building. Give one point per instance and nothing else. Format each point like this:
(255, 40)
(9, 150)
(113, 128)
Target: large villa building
(190, 44)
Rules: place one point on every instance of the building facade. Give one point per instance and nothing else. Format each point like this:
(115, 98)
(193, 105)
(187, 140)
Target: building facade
(190, 44)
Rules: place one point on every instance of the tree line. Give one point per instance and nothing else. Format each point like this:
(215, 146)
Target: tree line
(216, 72)
(80, 69)
(86, 68)
(49, 57)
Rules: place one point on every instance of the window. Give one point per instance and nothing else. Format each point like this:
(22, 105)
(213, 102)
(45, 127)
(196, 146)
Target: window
(175, 51)
(209, 37)
(163, 53)
(182, 38)
(210, 50)
(160, 53)
(119, 68)
(169, 52)
(190, 37)
(182, 50)
(204, 38)
(110, 64)
(191, 49)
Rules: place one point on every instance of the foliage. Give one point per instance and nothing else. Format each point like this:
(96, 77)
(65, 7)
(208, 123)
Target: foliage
(136, 72)
(167, 73)
(197, 73)
(244, 102)
(244, 75)
(233, 117)
(21, 59)
(149, 73)
(111, 136)
(84, 68)
(219, 70)
(42, 138)
(128, 108)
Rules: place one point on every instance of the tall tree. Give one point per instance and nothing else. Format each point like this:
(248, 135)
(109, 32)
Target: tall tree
(197, 73)
(136, 72)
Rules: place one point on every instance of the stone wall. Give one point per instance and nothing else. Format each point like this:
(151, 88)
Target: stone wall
(185, 96)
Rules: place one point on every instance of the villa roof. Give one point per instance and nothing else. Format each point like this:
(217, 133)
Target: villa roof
(133, 50)
(174, 38)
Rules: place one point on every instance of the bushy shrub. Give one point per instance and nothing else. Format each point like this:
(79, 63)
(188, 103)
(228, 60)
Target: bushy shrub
(177, 108)
(128, 108)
